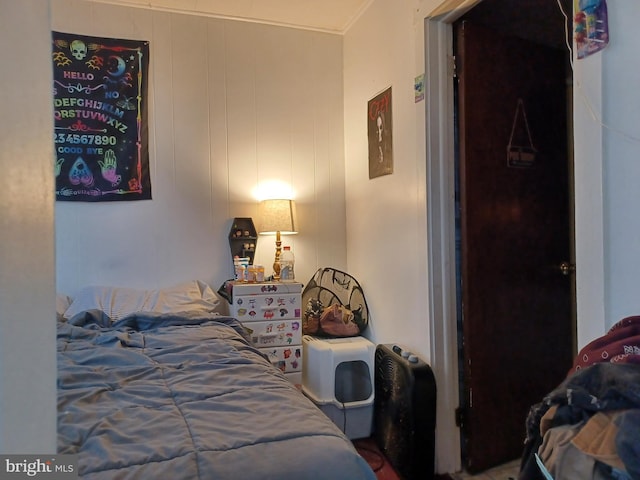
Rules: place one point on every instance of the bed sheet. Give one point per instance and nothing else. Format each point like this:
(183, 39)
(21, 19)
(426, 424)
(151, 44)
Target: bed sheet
(186, 396)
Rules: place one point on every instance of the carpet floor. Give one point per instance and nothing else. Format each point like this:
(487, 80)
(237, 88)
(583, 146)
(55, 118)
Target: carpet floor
(368, 449)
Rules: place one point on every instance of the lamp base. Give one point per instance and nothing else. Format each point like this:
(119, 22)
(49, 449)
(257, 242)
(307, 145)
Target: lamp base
(276, 262)
(276, 271)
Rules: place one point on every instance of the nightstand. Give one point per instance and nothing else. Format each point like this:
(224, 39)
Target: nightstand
(272, 313)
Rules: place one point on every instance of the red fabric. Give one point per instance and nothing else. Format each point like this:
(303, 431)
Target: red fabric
(621, 344)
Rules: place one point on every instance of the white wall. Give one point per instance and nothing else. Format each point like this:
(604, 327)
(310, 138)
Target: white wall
(607, 145)
(233, 106)
(621, 169)
(386, 216)
(27, 288)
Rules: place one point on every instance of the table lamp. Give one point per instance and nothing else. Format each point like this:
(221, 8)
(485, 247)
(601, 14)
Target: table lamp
(277, 216)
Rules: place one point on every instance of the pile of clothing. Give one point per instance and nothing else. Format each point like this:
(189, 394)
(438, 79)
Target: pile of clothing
(589, 426)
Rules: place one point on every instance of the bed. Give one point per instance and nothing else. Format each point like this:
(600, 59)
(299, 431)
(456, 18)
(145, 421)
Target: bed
(156, 384)
(589, 426)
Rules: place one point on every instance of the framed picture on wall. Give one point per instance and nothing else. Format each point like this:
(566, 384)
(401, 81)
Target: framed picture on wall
(380, 134)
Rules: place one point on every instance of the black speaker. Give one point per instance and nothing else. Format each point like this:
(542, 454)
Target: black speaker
(405, 412)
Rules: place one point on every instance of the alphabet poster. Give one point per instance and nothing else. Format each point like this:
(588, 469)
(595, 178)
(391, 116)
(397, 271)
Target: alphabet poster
(100, 111)
(380, 133)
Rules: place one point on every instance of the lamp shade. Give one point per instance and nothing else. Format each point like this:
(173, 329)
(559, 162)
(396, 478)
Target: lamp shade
(277, 215)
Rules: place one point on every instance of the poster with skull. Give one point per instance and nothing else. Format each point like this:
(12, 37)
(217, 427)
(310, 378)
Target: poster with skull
(380, 134)
(100, 118)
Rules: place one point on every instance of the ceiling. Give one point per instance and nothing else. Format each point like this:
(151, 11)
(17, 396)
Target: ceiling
(333, 16)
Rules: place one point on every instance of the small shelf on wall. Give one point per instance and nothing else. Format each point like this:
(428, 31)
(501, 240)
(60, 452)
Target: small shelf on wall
(243, 238)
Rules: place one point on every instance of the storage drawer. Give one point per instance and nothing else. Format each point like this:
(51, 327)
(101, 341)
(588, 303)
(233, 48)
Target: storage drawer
(253, 308)
(236, 289)
(275, 333)
(287, 359)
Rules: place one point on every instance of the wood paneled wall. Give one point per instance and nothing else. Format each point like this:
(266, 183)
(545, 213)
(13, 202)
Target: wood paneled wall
(233, 107)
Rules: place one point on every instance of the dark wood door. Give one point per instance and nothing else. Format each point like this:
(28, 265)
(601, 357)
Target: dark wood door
(517, 322)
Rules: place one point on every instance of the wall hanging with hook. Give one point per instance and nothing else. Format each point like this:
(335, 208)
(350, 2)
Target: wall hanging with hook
(521, 155)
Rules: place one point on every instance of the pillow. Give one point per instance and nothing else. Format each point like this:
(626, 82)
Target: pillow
(193, 296)
(62, 303)
(118, 302)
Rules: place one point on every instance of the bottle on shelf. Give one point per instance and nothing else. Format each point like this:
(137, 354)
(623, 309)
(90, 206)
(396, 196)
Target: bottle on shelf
(252, 274)
(240, 267)
(287, 261)
(259, 273)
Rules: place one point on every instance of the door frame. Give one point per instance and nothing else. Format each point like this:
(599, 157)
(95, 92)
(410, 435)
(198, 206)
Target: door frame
(440, 149)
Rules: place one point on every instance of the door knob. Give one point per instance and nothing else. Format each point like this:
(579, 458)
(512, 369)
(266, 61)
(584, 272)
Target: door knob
(567, 268)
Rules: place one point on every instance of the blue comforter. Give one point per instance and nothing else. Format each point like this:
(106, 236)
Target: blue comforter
(187, 397)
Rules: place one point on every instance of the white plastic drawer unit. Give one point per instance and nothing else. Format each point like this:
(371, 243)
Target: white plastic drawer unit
(275, 333)
(272, 314)
(254, 302)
